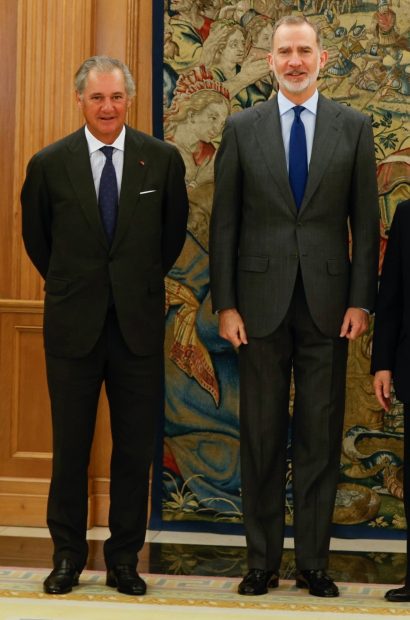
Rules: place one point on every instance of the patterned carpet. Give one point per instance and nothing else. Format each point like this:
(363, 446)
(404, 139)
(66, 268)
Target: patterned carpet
(181, 597)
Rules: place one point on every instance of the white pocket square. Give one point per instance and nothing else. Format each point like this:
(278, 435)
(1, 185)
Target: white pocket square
(148, 191)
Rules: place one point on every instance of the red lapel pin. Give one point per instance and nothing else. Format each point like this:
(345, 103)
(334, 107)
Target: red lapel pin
(141, 162)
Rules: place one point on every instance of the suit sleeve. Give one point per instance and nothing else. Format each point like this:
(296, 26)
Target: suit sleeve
(36, 216)
(389, 307)
(225, 221)
(364, 223)
(175, 211)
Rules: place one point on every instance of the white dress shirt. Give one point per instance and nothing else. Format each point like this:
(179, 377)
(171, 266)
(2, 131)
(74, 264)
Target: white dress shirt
(97, 158)
(308, 117)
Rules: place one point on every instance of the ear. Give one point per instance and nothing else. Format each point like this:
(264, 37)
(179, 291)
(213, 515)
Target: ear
(271, 62)
(79, 100)
(323, 58)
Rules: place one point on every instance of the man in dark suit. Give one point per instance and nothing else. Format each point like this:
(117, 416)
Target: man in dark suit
(290, 298)
(391, 347)
(103, 225)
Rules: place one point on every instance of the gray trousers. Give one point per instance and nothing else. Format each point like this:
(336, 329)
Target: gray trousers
(319, 368)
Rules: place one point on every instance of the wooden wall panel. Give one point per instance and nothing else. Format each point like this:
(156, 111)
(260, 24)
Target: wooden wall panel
(53, 38)
(42, 43)
(139, 59)
(25, 440)
(8, 46)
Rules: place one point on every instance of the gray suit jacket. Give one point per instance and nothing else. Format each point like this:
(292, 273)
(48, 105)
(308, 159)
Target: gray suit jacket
(259, 239)
(65, 240)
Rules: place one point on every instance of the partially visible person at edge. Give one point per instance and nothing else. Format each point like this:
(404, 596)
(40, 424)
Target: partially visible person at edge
(391, 348)
(104, 218)
(289, 297)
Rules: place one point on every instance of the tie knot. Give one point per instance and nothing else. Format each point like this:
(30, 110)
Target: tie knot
(298, 109)
(107, 150)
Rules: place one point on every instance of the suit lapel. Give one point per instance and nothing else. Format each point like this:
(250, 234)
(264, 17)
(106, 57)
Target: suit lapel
(133, 174)
(269, 135)
(80, 174)
(327, 133)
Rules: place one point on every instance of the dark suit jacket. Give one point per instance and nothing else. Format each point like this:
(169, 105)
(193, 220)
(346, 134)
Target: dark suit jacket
(65, 239)
(391, 340)
(258, 239)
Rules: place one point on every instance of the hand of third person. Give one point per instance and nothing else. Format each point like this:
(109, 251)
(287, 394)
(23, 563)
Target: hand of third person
(382, 387)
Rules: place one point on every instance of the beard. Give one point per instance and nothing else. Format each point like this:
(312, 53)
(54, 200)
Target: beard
(298, 87)
(301, 86)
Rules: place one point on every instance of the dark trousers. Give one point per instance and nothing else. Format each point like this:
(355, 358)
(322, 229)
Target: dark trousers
(134, 390)
(319, 368)
(406, 482)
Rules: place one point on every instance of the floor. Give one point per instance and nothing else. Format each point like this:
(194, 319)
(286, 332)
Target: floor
(177, 553)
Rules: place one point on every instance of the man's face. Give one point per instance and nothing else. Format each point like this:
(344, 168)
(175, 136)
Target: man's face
(104, 103)
(181, 5)
(234, 50)
(296, 60)
(207, 124)
(264, 38)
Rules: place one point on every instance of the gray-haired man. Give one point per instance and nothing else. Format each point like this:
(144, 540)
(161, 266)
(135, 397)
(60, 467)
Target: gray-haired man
(104, 217)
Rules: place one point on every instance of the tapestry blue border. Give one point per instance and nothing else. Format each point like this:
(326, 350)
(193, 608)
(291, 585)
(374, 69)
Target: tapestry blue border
(157, 71)
(156, 521)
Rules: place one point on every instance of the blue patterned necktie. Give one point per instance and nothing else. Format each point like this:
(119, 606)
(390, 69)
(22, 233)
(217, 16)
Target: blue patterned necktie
(298, 164)
(108, 194)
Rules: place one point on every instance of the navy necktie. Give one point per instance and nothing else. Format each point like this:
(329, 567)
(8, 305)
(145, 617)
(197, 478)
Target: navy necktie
(298, 164)
(108, 194)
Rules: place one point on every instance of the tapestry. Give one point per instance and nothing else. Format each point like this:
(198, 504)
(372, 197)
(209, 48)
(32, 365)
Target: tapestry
(213, 65)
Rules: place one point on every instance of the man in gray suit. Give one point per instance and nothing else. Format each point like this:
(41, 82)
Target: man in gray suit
(290, 297)
(104, 219)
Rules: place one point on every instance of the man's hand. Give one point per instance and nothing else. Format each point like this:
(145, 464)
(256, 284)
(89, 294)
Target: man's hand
(231, 327)
(382, 387)
(355, 323)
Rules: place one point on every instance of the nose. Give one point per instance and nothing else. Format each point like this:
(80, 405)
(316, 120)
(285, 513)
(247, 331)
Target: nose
(294, 59)
(107, 103)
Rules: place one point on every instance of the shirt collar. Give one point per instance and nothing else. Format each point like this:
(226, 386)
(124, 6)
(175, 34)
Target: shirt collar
(285, 104)
(94, 144)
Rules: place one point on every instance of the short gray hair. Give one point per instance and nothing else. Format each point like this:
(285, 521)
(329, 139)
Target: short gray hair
(103, 64)
(298, 20)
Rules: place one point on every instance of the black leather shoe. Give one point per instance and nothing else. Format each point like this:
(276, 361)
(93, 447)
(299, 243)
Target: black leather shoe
(62, 578)
(317, 582)
(257, 581)
(399, 595)
(126, 579)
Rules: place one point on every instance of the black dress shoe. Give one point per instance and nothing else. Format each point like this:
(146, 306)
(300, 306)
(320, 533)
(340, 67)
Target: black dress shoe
(317, 582)
(399, 595)
(62, 578)
(126, 579)
(257, 581)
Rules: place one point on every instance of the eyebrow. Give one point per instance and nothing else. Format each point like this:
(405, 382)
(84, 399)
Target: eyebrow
(302, 48)
(117, 92)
